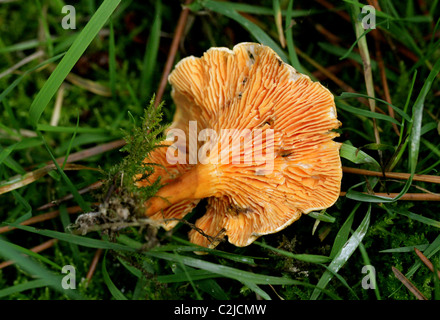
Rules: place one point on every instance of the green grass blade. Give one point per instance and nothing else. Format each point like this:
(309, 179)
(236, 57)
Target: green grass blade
(366, 113)
(431, 250)
(414, 142)
(357, 156)
(24, 204)
(255, 288)
(112, 60)
(343, 233)
(136, 272)
(293, 57)
(116, 293)
(421, 247)
(342, 280)
(405, 109)
(75, 239)
(260, 10)
(69, 60)
(151, 53)
(414, 139)
(403, 114)
(65, 220)
(344, 254)
(310, 258)
(182, 277)
(185, 271)
(255, 30)
(76, 195)
(23, 144)
(211, 287)
(13, 165)
(19, 79)
(63, 129)
(53, 280)
(325, 217)
(36, 256)
(417, 217)
(233, 273)
(23, 287)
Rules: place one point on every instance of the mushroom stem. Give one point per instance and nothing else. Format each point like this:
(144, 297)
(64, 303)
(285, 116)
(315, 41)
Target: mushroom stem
(193, 184)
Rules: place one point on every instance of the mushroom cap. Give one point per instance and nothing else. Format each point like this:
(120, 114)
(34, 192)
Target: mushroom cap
(250, 89)
(166, 172)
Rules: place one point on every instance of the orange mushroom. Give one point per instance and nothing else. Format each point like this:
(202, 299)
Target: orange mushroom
(286, 122)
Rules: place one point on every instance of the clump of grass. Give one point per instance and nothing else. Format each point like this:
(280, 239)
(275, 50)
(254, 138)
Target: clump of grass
(121, 201)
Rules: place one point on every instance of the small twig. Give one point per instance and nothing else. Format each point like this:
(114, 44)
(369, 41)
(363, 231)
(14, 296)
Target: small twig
(393, 175)
(42, 217)
(408, 284)
(336, 68)
(93, 265)
(405, 197)
(93, 186)
(39, 248)
(172, 53)
(386, 89)
(26, 60)
(212, 239)
(331, 37)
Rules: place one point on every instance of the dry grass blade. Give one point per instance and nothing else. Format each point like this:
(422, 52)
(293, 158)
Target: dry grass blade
(58, 106)
(279, 23)
(426, 261)
(408, 284)
(87, 153)
(26, 60)
(368, 74)
(17, 182)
